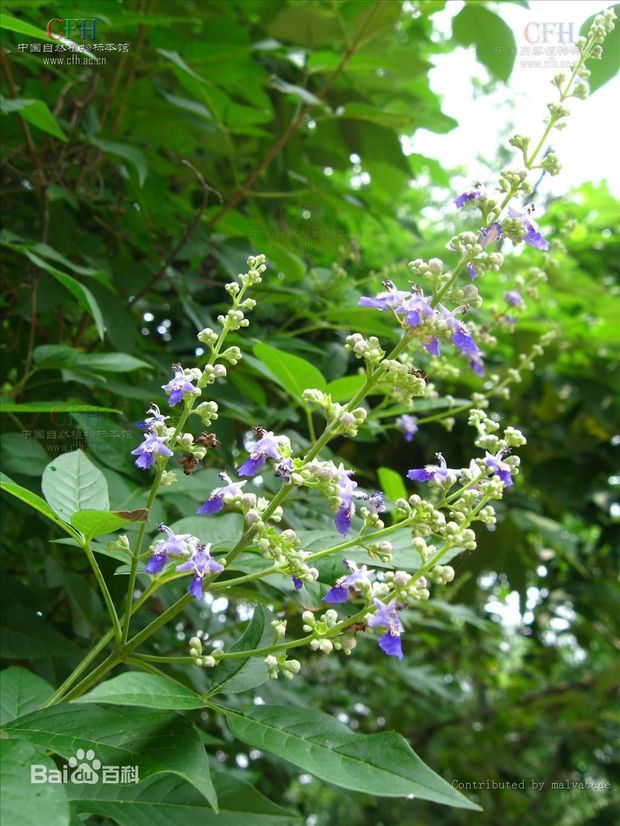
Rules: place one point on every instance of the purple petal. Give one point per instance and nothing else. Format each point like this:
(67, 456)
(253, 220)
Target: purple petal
(491, 233)
(534, 238)
(252, 465)
(195, 588)
(375, 303)
(175, 397)
(391, 645)
(432, 347)
(413, 318)
(477, 366)
(297, 583)
(343, 519)
(465, 342)
(471, 271)
(506, 478)
(144, 460)
(420, 475)
(212, 505)
(336, 594)
(156, 563)
(465, 197)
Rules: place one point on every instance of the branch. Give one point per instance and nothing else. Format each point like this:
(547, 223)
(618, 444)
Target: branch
(296, 122)
(206, 189)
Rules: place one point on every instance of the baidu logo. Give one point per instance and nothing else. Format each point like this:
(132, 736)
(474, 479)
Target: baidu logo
(84, 768)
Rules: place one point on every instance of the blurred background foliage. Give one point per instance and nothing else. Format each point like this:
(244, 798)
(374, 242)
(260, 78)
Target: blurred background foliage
(133, 190)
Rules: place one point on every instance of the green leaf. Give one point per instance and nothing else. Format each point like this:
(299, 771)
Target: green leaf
(22, 454)
(82, 293)
(343, 389)
(129, 153)
(110, 363)
(297, 92)
(147, 690)
(608, 66)
(35, 112)
(23, 803)
(53, 407)
(293, 373)
(236, 676)
(13, 24)
(380, 764)
(98, 523)
(170, 801)
(25, 635)
(152, 740)
(493, 39)
(222, 531)
(32, 499)
(392, 484)
(21, 692)
(72, 483)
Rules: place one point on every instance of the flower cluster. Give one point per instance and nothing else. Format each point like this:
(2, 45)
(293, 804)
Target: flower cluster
(435, 527)
(196, 555)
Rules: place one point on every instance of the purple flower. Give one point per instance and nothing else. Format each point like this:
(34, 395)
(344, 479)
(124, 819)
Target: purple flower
(469, 195)
(461, 337)
(491, 233)
(200, 563)
(284, 469)
(376, 503)
(387, 616)
(472, 272)
(438, 473)
(154, 419)
(432, 346)
(174, 544)
(348, 585)
(477, 365)
(409, 425)
(216, 500)
(297, 583)
(346, 492)
(179, 386)
(513, 297)
(415, 308)
(499, 468)
(267, 445)
(390, 299)
(151, 446)
(533, 236)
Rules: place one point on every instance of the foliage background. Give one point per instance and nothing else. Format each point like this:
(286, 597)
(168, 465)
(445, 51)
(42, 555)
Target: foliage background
(292, 113)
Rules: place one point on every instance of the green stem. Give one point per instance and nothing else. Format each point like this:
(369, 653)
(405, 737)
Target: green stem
(104, 591)
(94, 652)
(189, 404)
(137, 550)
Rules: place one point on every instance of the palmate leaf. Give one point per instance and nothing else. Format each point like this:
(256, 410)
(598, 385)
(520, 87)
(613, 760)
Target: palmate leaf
(155, 741)
(381, 764)
(168, 801)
